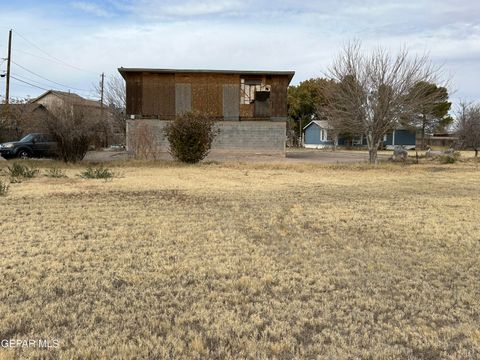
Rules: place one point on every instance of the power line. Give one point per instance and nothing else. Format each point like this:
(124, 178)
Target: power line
(54, 82)
(37, 56)
(29, 82)
(26, 82)
(51, 56)
(38, 83)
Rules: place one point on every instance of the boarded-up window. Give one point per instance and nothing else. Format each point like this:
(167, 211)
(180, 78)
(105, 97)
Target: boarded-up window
(262, 104)
(231, 104)
(183, 98)
(248, 87)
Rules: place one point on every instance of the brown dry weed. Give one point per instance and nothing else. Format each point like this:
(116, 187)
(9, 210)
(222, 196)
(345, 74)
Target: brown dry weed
(238, 261)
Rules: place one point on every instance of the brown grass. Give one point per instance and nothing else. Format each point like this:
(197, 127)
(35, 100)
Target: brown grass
(233, 261)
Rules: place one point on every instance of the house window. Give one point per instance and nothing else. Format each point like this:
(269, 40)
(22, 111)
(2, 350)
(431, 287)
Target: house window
(248, 87)
(323, 135)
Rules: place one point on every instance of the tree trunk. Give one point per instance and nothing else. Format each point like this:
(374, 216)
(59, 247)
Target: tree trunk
(372, 156)
(476, 152)
(372, 149)
(423, 132)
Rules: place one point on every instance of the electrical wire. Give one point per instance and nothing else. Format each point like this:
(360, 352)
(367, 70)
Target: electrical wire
(40, 85)
(35, 82)
(51, 56)
(26, 82)
(54, 82)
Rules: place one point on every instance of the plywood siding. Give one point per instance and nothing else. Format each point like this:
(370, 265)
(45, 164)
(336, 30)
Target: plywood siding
(149, 94)
(164, 95)
(159, 95)
(134, 93)
(204, 95)
(278, 97)
(246, 110)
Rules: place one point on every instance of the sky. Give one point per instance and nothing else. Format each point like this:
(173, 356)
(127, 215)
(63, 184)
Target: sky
(66, 45)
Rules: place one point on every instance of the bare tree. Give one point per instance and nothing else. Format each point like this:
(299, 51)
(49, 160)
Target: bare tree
(115, 102)
(468, 126)
(74, 127)
(143, 141)
(375, 92)
(15, 116)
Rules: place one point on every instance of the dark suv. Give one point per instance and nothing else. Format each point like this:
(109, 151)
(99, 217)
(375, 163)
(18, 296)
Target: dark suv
(31, 145)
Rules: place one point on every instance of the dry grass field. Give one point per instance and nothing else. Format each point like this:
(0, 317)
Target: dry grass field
(244, 261)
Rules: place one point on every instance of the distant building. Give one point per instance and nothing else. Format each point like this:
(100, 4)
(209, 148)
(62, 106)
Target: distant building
(445, 140)
(250, 107)
(400, 137)
(319, 134)
(19, 119)
(31, 117)
(52, 98)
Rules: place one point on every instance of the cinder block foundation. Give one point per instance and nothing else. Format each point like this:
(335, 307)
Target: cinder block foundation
(265, 137)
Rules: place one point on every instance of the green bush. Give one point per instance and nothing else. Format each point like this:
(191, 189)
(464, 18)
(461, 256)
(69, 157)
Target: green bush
(97, 173)
(20, 171)
(190, 137)
(55, 173)
(3, 188)
(449, 158)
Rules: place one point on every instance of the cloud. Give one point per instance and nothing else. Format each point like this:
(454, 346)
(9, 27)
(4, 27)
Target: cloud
(200, 8)
(246, 34)
(91, 8)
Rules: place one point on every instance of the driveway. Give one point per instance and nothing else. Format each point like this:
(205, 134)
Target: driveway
(333, 157)
(291, 156)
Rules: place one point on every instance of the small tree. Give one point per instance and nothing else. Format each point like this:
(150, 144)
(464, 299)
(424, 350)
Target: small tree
(115, 101)
(190, 136)
(432, 113)
(143, 141)
(74, 127)
(468, 126)
(15, 116)
(303, 101)
(375, 92)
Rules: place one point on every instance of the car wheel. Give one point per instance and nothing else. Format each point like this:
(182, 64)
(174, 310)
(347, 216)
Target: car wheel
(23, 154)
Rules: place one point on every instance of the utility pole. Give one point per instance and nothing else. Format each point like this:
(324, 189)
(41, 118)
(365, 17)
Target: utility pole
(7, 90)
(102, 83)
(101, 89)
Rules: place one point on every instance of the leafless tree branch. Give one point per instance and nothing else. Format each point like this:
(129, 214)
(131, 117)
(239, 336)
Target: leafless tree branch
(375, 92)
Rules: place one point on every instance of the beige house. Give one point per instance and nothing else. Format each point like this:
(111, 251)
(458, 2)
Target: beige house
(53, 98)
(110, 130)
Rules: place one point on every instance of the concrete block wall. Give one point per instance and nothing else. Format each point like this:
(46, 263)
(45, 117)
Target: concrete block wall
(243, 136)
(265, 136)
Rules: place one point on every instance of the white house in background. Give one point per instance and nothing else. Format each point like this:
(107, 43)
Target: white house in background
(318, 134)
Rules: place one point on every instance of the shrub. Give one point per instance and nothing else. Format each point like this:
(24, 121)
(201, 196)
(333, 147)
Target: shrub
(97, 173)
(74, 127)
(17, 171)
(55, 173)
(190, 137)
(143, 141)
(449, 158)
(3, 188)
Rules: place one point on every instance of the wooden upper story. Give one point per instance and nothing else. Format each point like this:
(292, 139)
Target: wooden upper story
(222, 94)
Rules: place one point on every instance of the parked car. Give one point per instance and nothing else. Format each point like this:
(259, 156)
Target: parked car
(31, 145)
